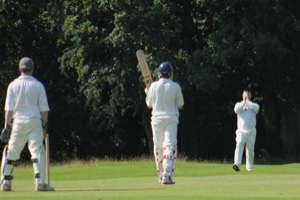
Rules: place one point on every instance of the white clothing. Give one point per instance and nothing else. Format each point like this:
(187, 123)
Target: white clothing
(247, 141)
(164, 97)
(246, 115)
(165, 143)
(23, 131)
(246, 132)
(26, 97)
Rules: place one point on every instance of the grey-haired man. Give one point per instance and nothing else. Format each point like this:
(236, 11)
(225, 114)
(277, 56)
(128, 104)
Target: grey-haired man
(26, 114)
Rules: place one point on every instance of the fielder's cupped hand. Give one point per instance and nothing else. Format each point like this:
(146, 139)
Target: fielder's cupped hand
(5, 133)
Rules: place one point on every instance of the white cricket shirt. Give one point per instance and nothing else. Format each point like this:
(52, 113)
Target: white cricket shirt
(246, 115)
(164, 97)
(26, 97)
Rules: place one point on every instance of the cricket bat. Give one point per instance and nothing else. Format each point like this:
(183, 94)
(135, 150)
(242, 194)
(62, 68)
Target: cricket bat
(144, 67)
(46, 136)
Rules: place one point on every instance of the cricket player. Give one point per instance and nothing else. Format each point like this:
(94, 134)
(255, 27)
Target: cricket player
(26, 114)
(246, 111)
(165, 98)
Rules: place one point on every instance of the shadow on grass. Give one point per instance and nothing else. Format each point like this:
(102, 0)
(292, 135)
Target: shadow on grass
(105, 190)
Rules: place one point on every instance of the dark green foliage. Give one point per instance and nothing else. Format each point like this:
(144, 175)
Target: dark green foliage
(84, 53)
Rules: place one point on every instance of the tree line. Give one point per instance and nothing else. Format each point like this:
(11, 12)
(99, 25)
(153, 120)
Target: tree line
(84, 53)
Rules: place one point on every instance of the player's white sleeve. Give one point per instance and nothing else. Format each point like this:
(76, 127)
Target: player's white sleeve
(146, 90)
(253, 106)
(149, 97)
(43, 102)
(9, 102)
(179, 98)
(239, 107)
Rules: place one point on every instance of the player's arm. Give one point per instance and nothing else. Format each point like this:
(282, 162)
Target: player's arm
(180, 102)
(44, 115)
(179, 99)
(253, 106)
(8, 117)
(148, 102)
(239, 107)
(5, 133)
(9, 105)
(43, 106)
(149, 97)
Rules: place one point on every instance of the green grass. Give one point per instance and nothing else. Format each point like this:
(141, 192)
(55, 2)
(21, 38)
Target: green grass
(137, 180)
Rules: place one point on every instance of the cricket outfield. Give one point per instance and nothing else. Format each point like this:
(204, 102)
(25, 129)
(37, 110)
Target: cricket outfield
(137, 180)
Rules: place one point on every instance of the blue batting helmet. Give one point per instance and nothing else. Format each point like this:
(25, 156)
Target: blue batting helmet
(165, 69)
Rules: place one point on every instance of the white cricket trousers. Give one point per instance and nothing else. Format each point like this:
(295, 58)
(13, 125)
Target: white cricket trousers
(247, 141)
(23, 131)
(165, 145)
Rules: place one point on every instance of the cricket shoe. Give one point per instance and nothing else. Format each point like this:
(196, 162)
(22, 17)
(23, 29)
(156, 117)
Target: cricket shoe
(235, 168)
(6, 187)
(167, 180)
(43, 188)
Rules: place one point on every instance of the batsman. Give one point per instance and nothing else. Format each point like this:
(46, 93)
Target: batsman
(165, 99)
(26, 115)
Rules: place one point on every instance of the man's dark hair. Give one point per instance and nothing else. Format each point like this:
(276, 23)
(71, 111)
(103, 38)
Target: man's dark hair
(247, 90)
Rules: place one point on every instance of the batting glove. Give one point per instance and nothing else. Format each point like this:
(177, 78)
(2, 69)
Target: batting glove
(5, 133)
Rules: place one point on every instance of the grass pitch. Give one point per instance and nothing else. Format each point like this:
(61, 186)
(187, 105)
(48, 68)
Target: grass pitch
(138, 180)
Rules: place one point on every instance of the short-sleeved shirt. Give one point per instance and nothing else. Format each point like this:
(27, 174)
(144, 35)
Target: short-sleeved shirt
(26, 98)
(165, 97)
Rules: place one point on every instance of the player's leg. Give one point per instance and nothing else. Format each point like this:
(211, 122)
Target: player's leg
(7, 166)
(239, 150)
(11, 153)
(250, 144)
(38, 155)
(175, 157)
(158, 138)
(170, 152)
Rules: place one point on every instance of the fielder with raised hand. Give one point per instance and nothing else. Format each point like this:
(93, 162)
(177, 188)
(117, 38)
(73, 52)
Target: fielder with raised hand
(26, 114)
(246, 111)
(165, 98)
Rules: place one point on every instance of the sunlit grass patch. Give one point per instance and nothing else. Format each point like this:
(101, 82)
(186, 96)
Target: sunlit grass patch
(135, 179)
